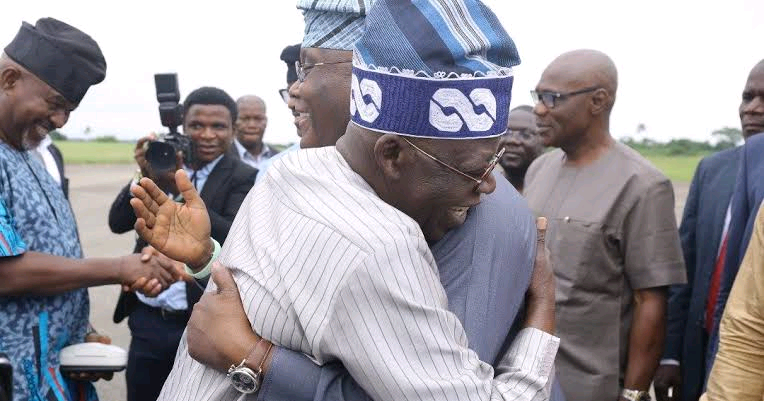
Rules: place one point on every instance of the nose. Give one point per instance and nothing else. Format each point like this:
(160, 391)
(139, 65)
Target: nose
(540, 109)
(59, 118)
(294, 94)
(487, 186)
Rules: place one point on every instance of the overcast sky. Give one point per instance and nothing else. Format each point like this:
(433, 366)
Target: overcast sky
(682, 64)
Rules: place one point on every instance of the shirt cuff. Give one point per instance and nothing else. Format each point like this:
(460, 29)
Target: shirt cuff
(670, 362)
(297, 376)
(534, 350)
(204, 273)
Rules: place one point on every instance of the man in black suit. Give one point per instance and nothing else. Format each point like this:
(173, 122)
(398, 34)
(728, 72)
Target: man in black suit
(704, 232)
(53, 161)
(156, 324)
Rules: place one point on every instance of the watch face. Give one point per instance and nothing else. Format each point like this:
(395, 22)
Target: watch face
(244, 382)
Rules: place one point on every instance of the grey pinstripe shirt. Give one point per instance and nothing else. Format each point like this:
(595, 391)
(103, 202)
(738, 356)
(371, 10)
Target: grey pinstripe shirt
(325, 267)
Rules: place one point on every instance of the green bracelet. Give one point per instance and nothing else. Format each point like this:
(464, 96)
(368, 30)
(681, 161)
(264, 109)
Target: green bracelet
(204, 273)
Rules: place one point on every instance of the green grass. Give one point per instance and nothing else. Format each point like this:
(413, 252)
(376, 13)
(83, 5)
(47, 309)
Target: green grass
(81, 152)
(676, 168)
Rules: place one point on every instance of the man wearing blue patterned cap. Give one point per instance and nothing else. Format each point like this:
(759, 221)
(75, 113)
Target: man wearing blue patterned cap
(367, 162)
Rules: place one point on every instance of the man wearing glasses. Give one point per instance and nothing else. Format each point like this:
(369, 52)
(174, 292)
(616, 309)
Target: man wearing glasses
(389, 358)
(612, 234)
(522, 145)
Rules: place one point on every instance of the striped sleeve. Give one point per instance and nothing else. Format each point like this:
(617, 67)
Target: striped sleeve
(11, 243)
(390, 328)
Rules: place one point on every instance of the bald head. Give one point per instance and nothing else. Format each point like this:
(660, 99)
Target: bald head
(251, 123)
(752, 102)
(585, 68)
(250, 100)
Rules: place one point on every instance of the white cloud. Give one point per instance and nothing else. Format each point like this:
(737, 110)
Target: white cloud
(682, 64)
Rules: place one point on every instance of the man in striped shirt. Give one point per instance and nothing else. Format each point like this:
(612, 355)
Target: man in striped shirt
(329, 172)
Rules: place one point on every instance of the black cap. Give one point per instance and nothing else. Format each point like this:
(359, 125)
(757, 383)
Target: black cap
(60, 55)
(290, 55)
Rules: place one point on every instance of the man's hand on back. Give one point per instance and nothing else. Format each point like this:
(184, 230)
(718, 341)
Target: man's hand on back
(540, 297)
(219, 332)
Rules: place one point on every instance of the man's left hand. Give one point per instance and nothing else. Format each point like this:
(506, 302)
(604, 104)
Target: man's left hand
(93, 337)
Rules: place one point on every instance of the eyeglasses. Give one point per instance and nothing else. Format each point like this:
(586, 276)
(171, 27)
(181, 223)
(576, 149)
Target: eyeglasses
(303, 69)
(284, 95)
(524, 134)
(551, 98)
(491, 164)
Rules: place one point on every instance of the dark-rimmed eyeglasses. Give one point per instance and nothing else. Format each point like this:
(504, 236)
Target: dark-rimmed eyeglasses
(550, 98)
(284, 93)
(303, 69)
(478, 181)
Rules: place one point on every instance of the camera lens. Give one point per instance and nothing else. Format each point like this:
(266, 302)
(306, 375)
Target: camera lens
(161, 156)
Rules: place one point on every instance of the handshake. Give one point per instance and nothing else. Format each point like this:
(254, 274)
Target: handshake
(150, 272)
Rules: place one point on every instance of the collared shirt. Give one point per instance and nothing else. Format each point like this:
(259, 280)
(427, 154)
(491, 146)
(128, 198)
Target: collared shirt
(612, 230)
(174, 297)
(737, 372)
(255, 161)
(338, 274)
(36, 217)
(48, 160)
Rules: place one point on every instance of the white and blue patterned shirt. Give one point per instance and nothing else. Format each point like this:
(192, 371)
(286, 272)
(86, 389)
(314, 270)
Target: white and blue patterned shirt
(35, 216)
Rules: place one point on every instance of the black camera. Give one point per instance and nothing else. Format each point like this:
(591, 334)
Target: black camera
(6, 378)
(160, 153)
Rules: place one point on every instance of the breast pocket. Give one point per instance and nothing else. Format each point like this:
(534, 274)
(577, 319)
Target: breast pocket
(577, 249)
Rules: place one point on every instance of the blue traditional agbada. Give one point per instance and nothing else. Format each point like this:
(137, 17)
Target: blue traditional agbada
(35, 216)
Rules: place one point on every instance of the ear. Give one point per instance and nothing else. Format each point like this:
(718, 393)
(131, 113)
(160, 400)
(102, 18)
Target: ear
(9, 77)
(600, 101)
(391, 156)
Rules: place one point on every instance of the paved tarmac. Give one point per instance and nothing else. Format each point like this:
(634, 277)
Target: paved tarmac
(92, 189)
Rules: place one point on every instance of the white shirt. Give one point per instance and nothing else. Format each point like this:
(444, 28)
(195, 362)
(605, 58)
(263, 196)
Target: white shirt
(325, 267)
(255, 161)
(48, 160)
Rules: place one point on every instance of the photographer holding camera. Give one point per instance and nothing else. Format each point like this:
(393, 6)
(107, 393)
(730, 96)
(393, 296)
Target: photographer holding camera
(156, 324)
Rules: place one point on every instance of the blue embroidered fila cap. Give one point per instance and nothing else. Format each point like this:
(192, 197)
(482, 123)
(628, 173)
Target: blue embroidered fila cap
(333, 24)
(433, 69)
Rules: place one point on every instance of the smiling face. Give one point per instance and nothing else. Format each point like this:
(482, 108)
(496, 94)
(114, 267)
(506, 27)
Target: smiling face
(33, 108)
(437, 197)
(210, 128)
(321, 102)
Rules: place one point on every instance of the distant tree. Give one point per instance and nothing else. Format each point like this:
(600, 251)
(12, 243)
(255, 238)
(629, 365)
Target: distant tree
(727, 137)
(56, 135)
(106, 138)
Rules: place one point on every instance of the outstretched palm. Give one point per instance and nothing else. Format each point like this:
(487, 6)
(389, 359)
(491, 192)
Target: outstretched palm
(181, 231)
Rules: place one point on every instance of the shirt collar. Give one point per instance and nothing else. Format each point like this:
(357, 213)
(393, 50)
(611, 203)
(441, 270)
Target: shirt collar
(241, 150)
(204, 171)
